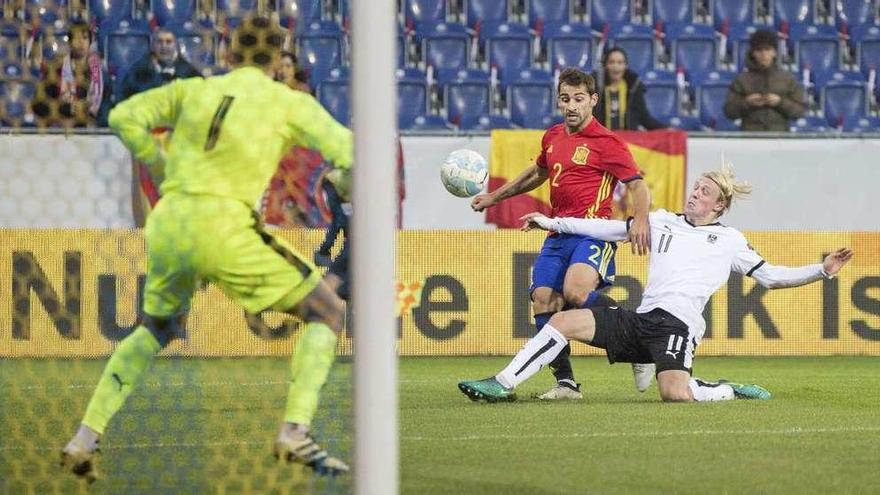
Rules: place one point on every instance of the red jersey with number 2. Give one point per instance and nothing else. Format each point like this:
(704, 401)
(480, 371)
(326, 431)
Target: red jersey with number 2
(584, 168)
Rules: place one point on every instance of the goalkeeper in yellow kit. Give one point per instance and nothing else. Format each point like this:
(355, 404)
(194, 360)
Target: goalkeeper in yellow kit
(229, 135)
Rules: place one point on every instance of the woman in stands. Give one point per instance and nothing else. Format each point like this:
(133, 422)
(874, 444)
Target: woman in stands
(622, 96)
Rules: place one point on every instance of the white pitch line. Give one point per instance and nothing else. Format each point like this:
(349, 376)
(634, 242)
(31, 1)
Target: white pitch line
(561, 436)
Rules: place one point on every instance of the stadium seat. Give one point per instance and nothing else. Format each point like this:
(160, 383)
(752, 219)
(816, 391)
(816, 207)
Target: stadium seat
(53, 44)
(10, 49)
(426, 123)
(818, 51)
(417, 12)
(509, 48)
(544, 12)
(810, 124)
(531, 104)
(685, 123)
(867, 40)
(412, 95)
(695, 48)
(734, 13)
(196, 46)
(176, 11)
(478, 12)
(333, 94)
(674, 12)
(320, 49)
(489, 122)
(466, 101)
(236, 8)
(662, 99)
(861, 124)
(124, 48)
(446, 76)
(445, 46)
(711, 99)
(842, 99)
(610, 14)
(101, 11)
(853, 13)
(569, 45)
(740, 47)
(296, 14)
(638, 41)
(792, 12)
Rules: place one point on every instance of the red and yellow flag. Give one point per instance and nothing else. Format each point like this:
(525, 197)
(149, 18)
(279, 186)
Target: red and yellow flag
(661, 155)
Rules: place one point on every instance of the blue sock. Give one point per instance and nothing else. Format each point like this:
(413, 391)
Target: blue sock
(541, 319)
(591, 299)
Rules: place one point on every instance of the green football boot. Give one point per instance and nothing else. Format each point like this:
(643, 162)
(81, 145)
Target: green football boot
(488, 390)
(750, 391)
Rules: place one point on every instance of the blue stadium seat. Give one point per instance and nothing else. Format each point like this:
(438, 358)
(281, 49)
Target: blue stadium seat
(196, 46)
(544, 12)
(810, 124)
(466, 101)
(844, 98)
(103, 10)
(661, 97)
(712, 96)
(610, 14)
(861, 124)
(446, 76)
(672, 12)
(792, 11)
(531, 104)
(685, 123)
(569, 45)
(333, 94)
(53, 44)
(417, 12)
(853, 13)
(479, 12)
(867, 40)
(426, 123)
(176, 11)
(509, 48)
(638, 41)
(320, 49)
(445, 46)
(818, 50)
(10, 49)
(695, 48)
(236, 8)
(123, 48)
(734, 13)
(412, 95)
(489, 122)
(402, 49)
(295, 14)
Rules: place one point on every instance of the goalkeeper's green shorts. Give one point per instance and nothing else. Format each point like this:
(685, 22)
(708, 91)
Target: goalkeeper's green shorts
(220, 240)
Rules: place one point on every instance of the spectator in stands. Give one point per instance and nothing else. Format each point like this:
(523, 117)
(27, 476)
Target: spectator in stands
(622, 96)
(161, 66)
(83, 77)
(290, 74)
(764, 97)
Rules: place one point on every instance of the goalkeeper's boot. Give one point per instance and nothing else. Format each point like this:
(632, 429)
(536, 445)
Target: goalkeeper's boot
(488, 389)
(78, 456)
(643, 374)
(564, 390)
(749, 392)
(302, 449)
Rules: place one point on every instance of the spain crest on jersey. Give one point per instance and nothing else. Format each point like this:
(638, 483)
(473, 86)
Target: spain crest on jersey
(580, 155)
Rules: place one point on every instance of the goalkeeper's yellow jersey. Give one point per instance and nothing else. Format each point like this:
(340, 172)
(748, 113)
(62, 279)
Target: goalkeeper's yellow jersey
(230, 132)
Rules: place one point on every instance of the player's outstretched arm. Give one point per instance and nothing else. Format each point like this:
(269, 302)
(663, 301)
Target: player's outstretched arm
(640, 231)
(597, 228)
(778, 277)
(531, 178)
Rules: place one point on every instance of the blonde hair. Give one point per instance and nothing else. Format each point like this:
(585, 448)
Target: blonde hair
(726, 181)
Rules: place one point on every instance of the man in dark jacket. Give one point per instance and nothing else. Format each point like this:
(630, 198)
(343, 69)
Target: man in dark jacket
(161, 66)
(764, 97)
(622, 96)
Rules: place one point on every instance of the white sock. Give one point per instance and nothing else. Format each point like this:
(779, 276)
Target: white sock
(535, 354)
(709, 391)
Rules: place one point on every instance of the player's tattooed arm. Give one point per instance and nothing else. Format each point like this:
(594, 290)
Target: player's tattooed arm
(529, 179)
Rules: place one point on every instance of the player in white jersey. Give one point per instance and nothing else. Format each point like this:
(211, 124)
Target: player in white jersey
(692, 256)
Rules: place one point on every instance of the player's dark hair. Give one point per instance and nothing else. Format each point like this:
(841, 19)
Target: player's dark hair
(572, 76)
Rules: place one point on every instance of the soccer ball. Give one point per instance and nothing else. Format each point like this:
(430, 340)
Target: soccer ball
(464, 173)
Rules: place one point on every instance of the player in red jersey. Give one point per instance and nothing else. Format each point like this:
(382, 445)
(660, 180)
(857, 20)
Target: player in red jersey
(583, 162)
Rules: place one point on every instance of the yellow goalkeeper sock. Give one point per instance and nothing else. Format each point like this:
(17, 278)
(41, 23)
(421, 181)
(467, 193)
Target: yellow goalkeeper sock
(133, 356)
(309, 369)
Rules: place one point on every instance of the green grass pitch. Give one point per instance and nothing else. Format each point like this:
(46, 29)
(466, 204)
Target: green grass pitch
(206, 426)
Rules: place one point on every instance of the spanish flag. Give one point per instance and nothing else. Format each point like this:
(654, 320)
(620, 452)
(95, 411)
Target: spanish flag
(661, 155)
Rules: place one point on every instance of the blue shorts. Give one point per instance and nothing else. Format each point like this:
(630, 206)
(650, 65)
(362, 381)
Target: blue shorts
(563, 250)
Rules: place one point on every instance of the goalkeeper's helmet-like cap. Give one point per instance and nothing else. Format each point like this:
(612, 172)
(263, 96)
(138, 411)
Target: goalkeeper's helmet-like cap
(256, 42)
